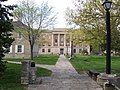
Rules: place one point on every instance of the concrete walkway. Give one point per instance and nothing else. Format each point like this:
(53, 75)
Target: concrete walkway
(65, 77)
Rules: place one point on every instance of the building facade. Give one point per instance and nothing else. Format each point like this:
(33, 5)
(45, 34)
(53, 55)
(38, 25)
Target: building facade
(56, 41)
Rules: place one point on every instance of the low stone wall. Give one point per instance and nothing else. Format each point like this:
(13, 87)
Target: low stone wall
(107, 81)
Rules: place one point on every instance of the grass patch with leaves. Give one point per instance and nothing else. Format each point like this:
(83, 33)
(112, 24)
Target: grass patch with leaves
(98, 63)
(11, 78)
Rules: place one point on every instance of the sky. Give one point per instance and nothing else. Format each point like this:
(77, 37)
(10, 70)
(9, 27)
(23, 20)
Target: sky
(59, 7)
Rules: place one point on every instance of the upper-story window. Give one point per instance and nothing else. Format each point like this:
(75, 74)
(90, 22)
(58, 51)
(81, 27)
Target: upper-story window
(55, 39)
(61, 39)
(49, 44)
(43, 44)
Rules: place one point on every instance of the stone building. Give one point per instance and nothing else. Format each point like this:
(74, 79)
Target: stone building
(20, 47)
(57, 42)
(54, 41)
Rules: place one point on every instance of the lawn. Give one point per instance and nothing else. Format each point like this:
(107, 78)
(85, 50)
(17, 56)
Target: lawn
(46, 59)
(11, 79)
(85, 63)
(41, 59)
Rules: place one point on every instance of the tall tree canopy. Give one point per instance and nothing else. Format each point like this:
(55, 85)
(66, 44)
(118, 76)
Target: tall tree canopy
(6, 29)
(89, 15)
(35, 18)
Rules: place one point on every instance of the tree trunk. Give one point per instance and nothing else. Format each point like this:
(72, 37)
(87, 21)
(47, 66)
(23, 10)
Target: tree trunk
(31, 48)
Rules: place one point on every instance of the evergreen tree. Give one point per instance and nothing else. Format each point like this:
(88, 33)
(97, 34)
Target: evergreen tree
(6, 29)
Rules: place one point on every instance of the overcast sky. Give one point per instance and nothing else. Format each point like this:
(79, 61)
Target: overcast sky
(59, 6)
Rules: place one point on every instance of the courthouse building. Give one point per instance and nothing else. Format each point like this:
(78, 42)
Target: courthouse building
(59, 43)
(55, 41)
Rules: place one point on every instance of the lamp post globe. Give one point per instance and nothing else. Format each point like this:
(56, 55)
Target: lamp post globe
(107, 4)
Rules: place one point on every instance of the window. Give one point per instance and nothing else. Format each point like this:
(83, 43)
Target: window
(55, 39)
(61, 39)
(49, 44)
(19, 48)
(67, 44)
(43, 45)
(43, 50)
(74, 50)
(80, 50)
(74, 45)
(49, 50)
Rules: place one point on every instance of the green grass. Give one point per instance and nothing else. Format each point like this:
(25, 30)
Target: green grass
(85, 63)
(11, 79)
(46, 59)
(41, 72)
(41, 59)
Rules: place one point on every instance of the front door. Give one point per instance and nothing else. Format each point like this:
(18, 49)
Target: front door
(61, 51)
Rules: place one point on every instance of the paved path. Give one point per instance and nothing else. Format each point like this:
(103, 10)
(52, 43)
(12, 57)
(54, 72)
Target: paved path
(65, 77)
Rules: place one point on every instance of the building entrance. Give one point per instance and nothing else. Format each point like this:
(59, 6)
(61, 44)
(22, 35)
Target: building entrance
(61, 51)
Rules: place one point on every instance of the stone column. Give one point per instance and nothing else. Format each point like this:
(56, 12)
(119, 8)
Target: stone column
(25, 72)
(64, 40)
(58, 40)
(52, 40)
(32, 77)
(65, 46)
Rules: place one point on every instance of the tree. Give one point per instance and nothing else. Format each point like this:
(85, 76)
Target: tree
(35, 18)
(6, 29)
(89, 15)
(77, 38)
(115, 41)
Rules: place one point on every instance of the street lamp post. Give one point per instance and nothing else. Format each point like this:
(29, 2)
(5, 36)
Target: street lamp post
(71, 48)
(107, 6)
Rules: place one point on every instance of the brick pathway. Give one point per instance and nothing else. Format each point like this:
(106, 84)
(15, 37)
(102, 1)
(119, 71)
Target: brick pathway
(65, 77)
